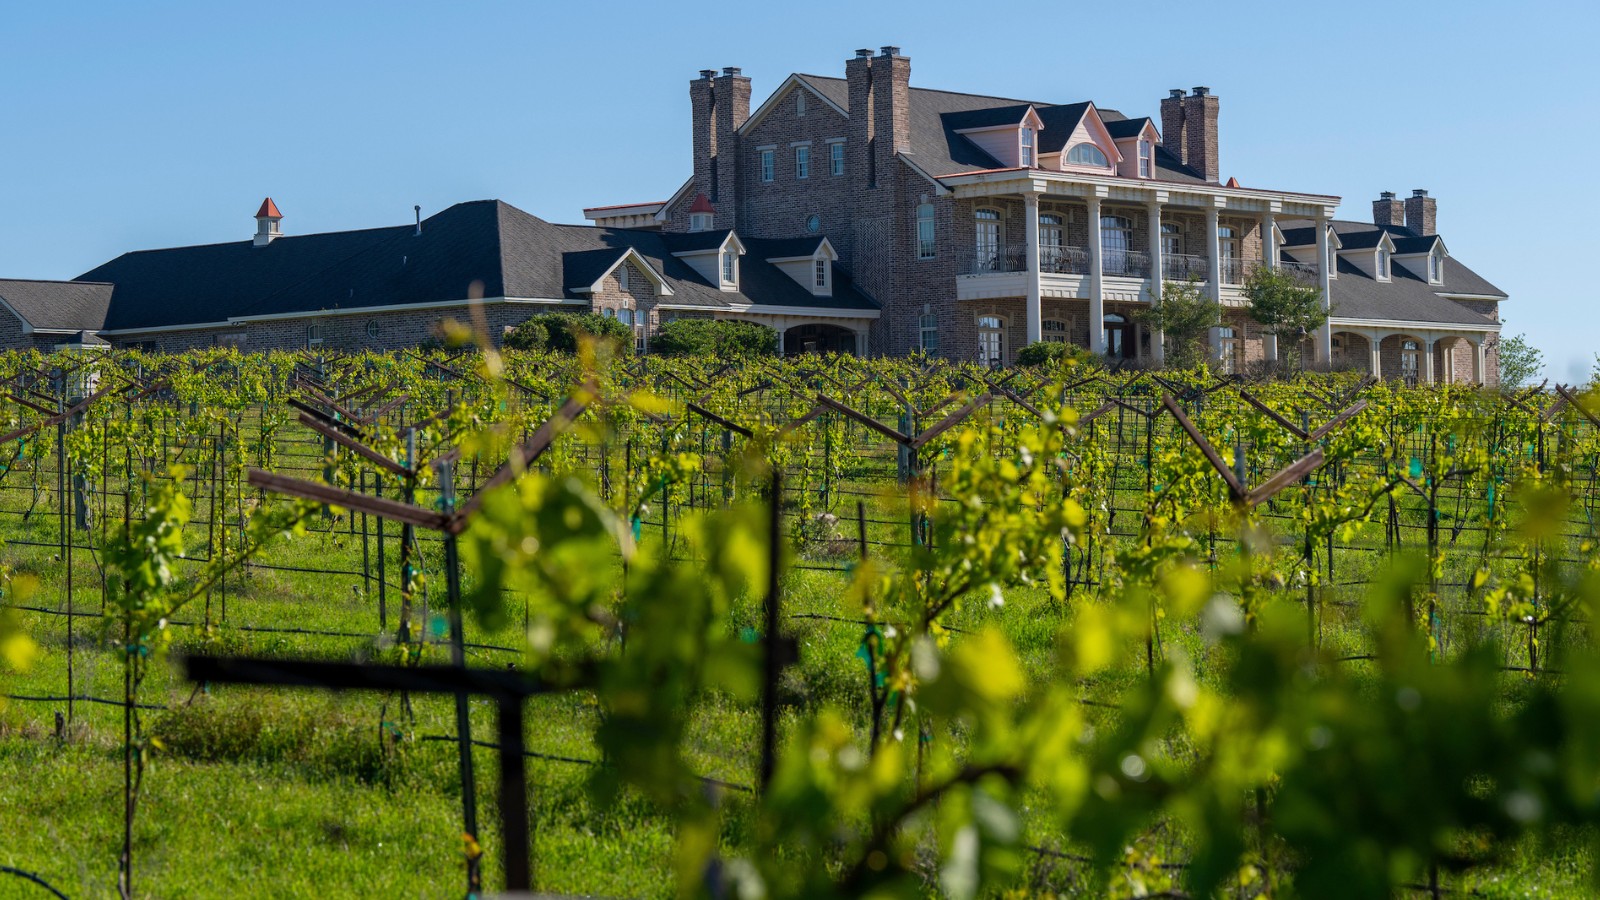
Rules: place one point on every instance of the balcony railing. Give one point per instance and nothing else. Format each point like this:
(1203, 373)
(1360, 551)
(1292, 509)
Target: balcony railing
(1057, 260)
(1125, 263)
(986, 259)
(1182, 267)
(1234, 270)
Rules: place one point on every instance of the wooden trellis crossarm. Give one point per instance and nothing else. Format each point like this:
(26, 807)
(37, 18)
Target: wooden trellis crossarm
(807, 419)
(864, 419)
(1299, 469)
(32, 405)
(331, 403)
(1212, 456)
(354, 446)
(1337, 421)
(1099, 411)
(525, 455)
(337, 496)
(1273, 414)
(943, 425)
(307, 409)
(1578, 406)
(1554, 408)
(708, 414)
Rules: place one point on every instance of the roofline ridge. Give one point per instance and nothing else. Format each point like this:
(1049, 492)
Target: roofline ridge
(58, 281)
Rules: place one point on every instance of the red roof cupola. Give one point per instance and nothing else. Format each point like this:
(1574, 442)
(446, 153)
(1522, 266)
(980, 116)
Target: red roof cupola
(267, 219)
(702, 204)
(268, 210)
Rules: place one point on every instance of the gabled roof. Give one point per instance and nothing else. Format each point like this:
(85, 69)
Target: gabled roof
(1124, 129)
(993, 117)
(57, 305)
(268, 210)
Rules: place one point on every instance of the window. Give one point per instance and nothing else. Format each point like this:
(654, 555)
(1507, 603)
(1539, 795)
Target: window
(927, 246)
(1410, 361)
(622, 278)
(1171, 239)
(372, 328)
(1087, 155)
(1383, 263)
(313, 335)
(928, 333)
(766, 165)
(813, 223)
(609, 313)
(1146, 159)
(989, 234)
(700, 221)
(991, 341)
(1114, 336)
(836, 157)
(1228, 246)
(1116, 241)
(625, 316)
(802, 162)
(819, 274)
(1049, 242)
(1228, 347)
(1055, 331)
(730, 267)
(799, 103)
(1436, 266)
(1027, 147)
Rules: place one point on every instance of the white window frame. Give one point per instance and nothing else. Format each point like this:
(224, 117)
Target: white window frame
(372, 328)
(314, 336)
(1103, 162)
(1026, 141)
(1055, 331)
(1146, 159)
(993, 221)
(701, 221)
(1383, 263)
(1436, 266)
(802, 161)
(730, 267)
(927, 232)
(767, 166)
(991, 334)
(928, 333)
(821, 276)
(836, 157)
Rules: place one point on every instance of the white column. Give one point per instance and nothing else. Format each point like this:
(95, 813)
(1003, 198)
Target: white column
(1427, 359)
(1325, 333)
(1373, 341)
(1480, 360)
(861, 342)
(1269, 257)
(1030, 218)
(779, 330)
(1158, 350)
(1097, 300)
(1214, 275)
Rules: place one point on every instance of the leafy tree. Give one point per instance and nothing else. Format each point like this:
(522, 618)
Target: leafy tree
(1184, 317)
(714, 337)
(1520, 362)
(562, 331)
(1049, 353)
(1285, 306)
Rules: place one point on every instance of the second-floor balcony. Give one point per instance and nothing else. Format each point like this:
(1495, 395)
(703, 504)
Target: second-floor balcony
(1004, 258)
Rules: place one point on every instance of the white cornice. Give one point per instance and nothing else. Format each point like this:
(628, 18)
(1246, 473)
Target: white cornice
(819, 312)
(1413, 325)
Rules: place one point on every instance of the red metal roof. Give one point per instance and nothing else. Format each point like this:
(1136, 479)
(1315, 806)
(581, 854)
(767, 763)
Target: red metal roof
(702, 204)
(268, 210)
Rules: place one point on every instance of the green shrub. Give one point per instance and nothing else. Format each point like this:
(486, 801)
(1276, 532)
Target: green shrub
(714, 337)
(1051, 353)
(563, 330)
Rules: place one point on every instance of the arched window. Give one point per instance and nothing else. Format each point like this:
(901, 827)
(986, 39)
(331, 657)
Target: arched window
(625, 316)
(990, 233)
(313, 335)
(991, 341)
(372, 328)
(1116, 239)
(622, 278)
(927, 244)
(1087, 155)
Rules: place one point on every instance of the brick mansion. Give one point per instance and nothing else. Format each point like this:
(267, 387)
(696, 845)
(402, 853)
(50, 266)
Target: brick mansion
(854, 214)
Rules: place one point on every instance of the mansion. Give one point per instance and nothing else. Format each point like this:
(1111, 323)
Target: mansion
(855, 214)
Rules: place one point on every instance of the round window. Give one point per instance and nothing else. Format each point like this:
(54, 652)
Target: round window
(813, 223)
(372, 328)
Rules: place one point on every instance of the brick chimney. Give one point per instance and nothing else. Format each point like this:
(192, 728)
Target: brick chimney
(891, 104)
(703, 103)
(1172, 131)
(732, 93)
(267, 219)
(1386, 210)
(1200, 133)
(858, 80)
(1422, 213)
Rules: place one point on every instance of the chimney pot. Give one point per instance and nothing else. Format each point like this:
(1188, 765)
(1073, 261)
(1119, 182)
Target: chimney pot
(731, 70)
(1201, 91)
(1386, 195)
(891, 50)
(863, 54)
(1176, 94)
(1419, 192)
(708, 74)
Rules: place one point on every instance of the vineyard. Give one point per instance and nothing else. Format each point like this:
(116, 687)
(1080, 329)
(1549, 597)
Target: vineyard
(447, 624)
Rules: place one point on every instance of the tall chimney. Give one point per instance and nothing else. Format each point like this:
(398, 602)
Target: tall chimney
(1200, 132)
(891, 111)
(267, 219)
(1422, 213)
(1386, 210)
(703, 107)
(1173, 135)
(731, 90)
(858, 81)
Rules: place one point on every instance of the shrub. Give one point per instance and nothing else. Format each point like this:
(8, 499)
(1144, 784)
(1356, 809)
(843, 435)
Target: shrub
(714, 337)
(1051, 353)
(562, 331)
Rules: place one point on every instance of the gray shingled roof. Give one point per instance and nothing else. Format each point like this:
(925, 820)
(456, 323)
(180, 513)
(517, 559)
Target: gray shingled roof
(57, 305)
(482, 245)
(939, 150)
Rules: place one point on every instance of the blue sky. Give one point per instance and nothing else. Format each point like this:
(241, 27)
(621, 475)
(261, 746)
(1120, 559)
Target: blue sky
(130, 126)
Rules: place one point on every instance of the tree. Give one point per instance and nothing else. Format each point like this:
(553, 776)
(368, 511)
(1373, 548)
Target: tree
(1184, 316)
(1285, 307)
(1050, 353)
(714, 337)
(1520, 362)
(563, 330)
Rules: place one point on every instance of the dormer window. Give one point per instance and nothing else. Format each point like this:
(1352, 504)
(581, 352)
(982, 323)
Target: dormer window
(1436, 266)
(730, 267)
(1087, 155)
(819, 277)
(1146, 159)
(1383, 263)
(1027, 147)
(700, 221)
